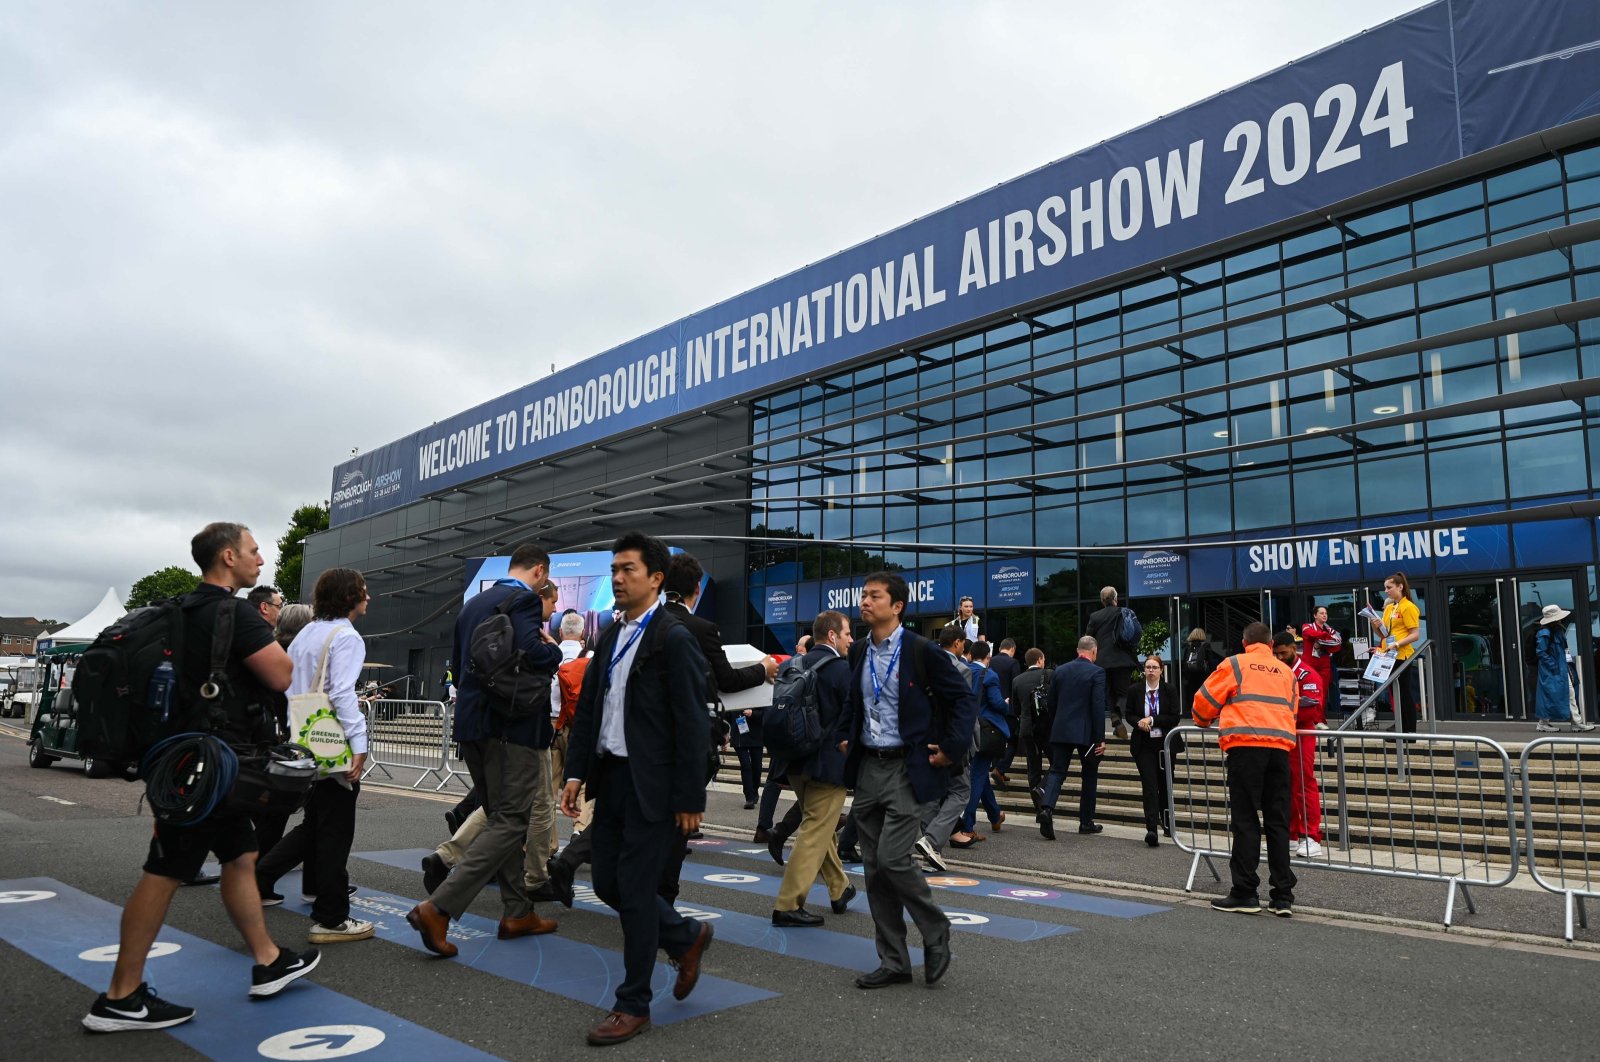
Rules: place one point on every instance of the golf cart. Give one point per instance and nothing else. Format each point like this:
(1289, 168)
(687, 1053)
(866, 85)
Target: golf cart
(55, 725)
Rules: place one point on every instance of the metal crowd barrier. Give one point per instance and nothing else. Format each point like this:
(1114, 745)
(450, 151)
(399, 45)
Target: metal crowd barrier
(1429, 807)
(410, 736)
(1560, 776)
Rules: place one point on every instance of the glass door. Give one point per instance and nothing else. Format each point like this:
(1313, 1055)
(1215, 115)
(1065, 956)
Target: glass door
(1530, 596)
(1475, 665)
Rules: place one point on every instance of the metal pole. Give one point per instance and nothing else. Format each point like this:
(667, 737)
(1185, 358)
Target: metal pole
(1505, 676)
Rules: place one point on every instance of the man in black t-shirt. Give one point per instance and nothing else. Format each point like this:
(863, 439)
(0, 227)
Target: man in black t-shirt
(230, 559)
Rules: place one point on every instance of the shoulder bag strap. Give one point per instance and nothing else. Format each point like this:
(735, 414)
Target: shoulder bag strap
(320, 684)
(221, 644)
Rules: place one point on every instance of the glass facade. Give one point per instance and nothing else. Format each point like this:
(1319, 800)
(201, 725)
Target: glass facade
(1393, 364)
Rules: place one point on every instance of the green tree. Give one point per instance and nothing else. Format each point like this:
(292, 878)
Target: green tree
(306, 521)
(168, 582)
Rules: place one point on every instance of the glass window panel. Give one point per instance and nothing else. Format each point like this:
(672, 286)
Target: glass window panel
(1101, 523)
(1459, 315)
(1324, 491)
(1398, 299)
(1156, 517)
(1536, 297)
(1465, 475)
(1453, 286)
(1451, 230)
(1383, 334)
(1392, 484)
(1260, 501)
(1319, 351)
(1541, 174)
(1546, 464)
(1537, 206)
(1210, 507)
(1448, 202)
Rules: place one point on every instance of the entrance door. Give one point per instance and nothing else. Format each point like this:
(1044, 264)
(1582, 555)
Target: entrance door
(1478, 675)
(1530, 594)
(1223, 617)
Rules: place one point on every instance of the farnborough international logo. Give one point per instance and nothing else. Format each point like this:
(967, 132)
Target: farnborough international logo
(354, 486)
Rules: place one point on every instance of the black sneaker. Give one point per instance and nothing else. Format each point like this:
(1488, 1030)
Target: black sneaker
(270, 980)
(271, 899)
(1281, 909)
(1236, 904)
(143, 1009)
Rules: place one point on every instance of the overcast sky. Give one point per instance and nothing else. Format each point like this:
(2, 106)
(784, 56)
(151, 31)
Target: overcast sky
(238, 240)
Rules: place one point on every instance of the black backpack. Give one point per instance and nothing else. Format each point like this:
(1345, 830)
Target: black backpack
(126, 700)
(1041, 696)
(515, 690)
(792, 726)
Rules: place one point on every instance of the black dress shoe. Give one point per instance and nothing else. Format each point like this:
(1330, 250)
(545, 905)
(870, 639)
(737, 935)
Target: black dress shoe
(434, 872)
(761, 836)
(849, 855)
(545, 892)
(799, 918)
(1037, 795)
(1150, 839)
(560, 880)
(1091, 827)
(842, 904)
(1047, 826)
(775, 845)
(883, 977)
(935, 961)
(749, 805)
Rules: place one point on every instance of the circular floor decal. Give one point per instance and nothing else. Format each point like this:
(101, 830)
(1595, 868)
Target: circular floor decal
(966, 918)
(733, 879)
(954, 882)
(25, 896)
(321, 1041)
(109, 952)
(1029, 894)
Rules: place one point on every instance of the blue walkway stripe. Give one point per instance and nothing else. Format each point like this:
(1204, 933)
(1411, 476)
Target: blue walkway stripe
(842, 950)
(209, 977)
(981, 923)
(960, 881)
(551, 963)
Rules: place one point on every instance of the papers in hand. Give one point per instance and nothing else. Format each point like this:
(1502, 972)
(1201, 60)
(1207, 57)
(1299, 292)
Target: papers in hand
(1376, 619)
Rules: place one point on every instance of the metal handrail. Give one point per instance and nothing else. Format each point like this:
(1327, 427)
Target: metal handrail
(1423, 647)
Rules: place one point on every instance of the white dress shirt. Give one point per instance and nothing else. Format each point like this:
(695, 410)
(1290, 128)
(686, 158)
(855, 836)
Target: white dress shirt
(345, 657)
(569, 652)
(613, 738)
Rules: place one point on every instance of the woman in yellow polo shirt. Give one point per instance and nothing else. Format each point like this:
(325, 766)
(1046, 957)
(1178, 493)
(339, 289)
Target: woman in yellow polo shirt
(1404, 623)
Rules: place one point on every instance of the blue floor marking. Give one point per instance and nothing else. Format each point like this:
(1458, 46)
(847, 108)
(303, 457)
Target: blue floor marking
(842, 950)
(551, 963)
(207, 976)
(960, 881)
(986, 925)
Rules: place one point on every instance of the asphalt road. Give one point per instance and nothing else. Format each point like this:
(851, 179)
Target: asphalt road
(1177, 981)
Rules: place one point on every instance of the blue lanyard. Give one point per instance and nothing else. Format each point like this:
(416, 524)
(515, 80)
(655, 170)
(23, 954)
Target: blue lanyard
(1152, 701)
(618, 654)
(872, 670)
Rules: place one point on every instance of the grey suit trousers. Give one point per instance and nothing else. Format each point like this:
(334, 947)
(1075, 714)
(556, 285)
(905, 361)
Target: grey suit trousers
(888, 822)
(507, 776)
(942, 817)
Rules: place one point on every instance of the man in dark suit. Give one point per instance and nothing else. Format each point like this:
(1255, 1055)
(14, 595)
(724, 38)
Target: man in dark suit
(506, 759)
(818, 782)
(1118, 660)
(639, 743)
(1034, 731)
(1004, 664)
(914, 714)
(1078, 701)
(683, 591)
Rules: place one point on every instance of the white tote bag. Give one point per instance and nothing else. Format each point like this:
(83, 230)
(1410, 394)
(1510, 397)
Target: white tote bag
(314, 724)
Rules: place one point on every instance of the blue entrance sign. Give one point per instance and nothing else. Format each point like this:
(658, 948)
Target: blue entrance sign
(1010, 583)
(1436, 85)
(1155, 572)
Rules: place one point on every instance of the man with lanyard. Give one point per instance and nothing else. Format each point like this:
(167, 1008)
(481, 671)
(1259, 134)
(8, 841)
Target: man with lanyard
(913, 719)
(507, 761)
(639, 743)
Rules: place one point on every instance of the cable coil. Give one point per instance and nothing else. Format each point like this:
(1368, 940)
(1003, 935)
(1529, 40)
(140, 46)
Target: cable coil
(187, 777)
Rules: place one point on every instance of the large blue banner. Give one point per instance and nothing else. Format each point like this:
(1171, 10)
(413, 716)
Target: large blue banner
(1443, 82)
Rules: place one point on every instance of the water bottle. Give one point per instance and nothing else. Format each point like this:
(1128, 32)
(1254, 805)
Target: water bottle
(163, 680)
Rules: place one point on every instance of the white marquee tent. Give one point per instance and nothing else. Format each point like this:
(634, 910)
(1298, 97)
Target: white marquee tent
(107, 612)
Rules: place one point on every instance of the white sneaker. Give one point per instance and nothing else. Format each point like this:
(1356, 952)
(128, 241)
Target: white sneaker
(1310, 849)
(346, 931)
(1581, 727)
(930, 855)
(1297, 848)
(1547, 728)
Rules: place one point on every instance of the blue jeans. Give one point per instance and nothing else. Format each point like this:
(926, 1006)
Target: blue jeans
(982, 790)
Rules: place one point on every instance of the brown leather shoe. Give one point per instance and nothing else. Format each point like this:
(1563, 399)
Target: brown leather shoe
(529, 925)
(688, 963)
(617, 1027)
(431, 922)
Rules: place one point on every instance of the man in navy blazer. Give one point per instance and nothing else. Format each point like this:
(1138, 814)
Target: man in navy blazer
(1078, 699)
(639, 744)
(913, 719)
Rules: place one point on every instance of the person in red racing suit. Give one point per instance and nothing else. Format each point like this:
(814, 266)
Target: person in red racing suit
(1319, 644)
(1305, 798)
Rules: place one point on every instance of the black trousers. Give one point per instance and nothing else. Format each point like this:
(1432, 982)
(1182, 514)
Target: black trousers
(269, 829)
(631, 852)
(776, 771)
(1407, 691)
(580, 850)
(1258, 790)
(322, 841)
(1117, 679)
(1152, 782)
(749, 771)
(1060, 762)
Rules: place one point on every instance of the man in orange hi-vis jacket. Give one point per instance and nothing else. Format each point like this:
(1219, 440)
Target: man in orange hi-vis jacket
(1253, 695)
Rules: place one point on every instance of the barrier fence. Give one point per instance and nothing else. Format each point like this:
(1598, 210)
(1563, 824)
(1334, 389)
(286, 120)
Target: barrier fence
(412, 736)
(1431, 807)
(1560, 778)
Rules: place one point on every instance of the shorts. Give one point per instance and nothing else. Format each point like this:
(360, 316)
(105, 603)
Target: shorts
(178, 852)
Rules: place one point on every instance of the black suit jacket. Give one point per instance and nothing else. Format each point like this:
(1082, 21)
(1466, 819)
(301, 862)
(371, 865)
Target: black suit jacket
(1103, 627)
(1006, 669)
(1078, 698)
(1022, 688)
(834, 712)
(1167, 717)
(721, 676)
(474, 719)
(663, 721)
(921, 724)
